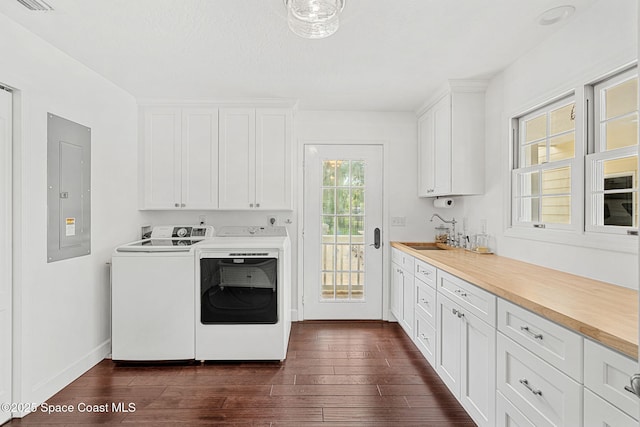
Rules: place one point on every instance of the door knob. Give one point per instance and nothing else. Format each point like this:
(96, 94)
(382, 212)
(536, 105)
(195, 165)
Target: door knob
(376, 238)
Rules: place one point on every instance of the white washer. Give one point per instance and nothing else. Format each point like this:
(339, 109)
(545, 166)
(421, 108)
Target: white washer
(152, 297)
(243, 294)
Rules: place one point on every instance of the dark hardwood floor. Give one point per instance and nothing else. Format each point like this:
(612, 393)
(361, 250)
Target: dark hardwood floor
(335, 374)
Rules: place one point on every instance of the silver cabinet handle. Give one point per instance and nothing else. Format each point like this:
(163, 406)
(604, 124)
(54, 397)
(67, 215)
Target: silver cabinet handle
(634, 386)
(459, 292)
(424, 337)
(250, 205)
(525, 383)
(533, 334)
(183, 205)
(424, 301)
(177, 205)
(257, 205)
(457, 313)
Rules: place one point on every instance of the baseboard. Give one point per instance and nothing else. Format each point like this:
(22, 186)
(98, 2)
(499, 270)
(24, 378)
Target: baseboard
(294, 315)
(47, 388)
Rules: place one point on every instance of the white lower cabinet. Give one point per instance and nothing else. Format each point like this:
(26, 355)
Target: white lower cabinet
(508, 366)
(600, 413)
(465, 359)
(402, 292)
(606, 373)
(425, 337)
(508, 415)
(543, 394)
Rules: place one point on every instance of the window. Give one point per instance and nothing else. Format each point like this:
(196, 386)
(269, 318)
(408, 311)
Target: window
(545, 146)
(582, 181)
(612, 168)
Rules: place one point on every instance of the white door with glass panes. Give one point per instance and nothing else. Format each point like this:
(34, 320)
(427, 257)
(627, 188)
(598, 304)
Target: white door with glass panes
(5, 253)
(343, 232)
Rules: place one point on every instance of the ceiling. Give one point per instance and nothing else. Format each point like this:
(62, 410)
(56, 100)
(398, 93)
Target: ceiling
(388, 55)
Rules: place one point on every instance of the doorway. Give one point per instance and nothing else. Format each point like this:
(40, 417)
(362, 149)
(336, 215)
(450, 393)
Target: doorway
(6, 347)
(342, 237)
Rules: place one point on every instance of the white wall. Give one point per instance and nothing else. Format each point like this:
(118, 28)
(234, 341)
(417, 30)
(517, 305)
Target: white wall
(62, 309)
(595, 42)
(396, 130)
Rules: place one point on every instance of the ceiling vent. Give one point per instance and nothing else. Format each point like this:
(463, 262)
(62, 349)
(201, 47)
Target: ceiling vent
(39, 5)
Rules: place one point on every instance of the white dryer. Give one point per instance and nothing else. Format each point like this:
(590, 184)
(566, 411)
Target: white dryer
(243, 294)
(152, 296)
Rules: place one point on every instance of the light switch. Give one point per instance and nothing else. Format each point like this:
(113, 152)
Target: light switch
(398, 221)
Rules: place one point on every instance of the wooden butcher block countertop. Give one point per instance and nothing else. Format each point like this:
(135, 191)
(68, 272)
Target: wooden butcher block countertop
(604, 312)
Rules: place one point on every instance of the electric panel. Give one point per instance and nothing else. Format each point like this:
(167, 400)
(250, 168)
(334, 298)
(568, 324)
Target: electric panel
(69, 189)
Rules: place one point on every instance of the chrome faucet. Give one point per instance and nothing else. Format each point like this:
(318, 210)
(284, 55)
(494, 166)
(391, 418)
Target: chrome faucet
(453, 226)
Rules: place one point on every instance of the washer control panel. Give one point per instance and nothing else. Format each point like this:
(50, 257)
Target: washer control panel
(181, 231)
(252, 231)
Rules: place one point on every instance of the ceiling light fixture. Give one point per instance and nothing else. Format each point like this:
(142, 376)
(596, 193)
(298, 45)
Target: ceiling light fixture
(314, 19)
(556, 14)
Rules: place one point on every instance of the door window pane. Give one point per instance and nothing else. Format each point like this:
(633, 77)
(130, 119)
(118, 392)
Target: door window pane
(343, 199)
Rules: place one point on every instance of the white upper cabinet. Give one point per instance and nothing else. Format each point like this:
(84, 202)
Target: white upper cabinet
(179, 148)
(201, 157)
(451, 141)
(255, 158)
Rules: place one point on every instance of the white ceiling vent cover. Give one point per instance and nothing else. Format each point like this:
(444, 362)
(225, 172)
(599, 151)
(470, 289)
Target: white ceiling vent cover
(40, 5)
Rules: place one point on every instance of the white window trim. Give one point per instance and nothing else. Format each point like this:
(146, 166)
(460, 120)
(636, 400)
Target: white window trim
(579, 86)
(576, 163)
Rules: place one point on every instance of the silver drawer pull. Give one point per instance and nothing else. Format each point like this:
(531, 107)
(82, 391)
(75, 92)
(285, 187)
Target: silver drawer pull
(525, 383)
(424, 301)
(634, 385)
(424, 337)
(533, 334)
(460, 292)
(457, 313)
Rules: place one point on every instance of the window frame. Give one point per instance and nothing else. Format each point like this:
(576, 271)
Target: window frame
(582, 88)
(517, 132)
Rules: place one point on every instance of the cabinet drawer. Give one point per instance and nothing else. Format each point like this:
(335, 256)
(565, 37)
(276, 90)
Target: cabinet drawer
(426, 301)
(546, 396)
(425, 272)
(425, 337)
(508, 415)
(470, 297)
(598, 413)
(554, 344)
(402, 259)
(606, 373)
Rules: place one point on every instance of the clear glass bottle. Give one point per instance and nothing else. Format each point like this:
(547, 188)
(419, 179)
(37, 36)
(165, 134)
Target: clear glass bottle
(483, 240)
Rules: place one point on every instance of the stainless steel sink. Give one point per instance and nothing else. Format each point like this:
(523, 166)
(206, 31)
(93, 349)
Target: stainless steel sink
(424, 247)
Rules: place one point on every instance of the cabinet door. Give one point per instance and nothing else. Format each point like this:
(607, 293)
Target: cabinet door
(478, 369)
(408, 302)
(442, 146)
(237, 158)
(426, 155)
(273, 159)
(396, 291)
(199, 158)
(161, 154)
(448, 344)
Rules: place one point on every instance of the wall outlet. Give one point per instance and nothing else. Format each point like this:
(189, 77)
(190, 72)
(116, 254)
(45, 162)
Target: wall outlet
(202, 220)
(272, 220)
(398, 221)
